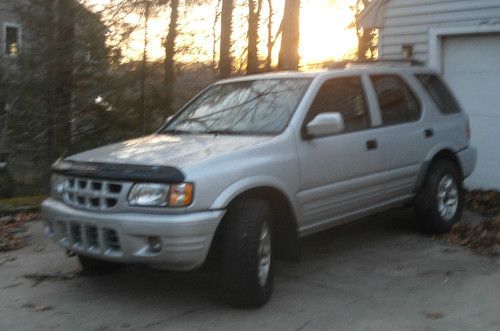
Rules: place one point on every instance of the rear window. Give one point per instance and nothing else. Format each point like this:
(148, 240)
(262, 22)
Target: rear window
(440, 93)
(397, 102)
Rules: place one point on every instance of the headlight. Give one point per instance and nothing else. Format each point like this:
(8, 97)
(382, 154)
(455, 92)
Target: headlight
(57, 183)
(161, 195)
(148, 195)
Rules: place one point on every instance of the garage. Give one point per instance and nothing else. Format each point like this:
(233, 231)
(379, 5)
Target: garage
(471, 66)
(461, 40)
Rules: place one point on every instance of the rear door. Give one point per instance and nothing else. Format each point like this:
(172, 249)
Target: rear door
(406, 139)
(342, 174)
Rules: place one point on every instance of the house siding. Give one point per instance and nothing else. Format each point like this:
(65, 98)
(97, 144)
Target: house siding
(407, 22)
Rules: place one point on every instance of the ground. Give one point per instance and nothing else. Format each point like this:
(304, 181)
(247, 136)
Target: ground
(378, 273)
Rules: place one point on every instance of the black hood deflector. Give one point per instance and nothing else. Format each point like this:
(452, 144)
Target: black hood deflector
(125, 172)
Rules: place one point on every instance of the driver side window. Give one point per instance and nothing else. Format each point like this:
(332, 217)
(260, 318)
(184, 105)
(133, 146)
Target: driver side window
(346, 96)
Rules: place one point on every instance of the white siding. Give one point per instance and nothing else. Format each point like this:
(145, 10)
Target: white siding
(409, 22)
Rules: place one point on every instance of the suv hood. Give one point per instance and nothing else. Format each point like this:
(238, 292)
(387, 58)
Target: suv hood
(168, 150)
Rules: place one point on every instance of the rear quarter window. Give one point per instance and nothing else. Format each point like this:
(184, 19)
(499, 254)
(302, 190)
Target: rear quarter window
(440, 93)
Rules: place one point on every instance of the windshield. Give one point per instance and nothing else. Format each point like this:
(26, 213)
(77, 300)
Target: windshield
(248, 107)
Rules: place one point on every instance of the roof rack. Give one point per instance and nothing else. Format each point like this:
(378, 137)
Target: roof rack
(346, 63)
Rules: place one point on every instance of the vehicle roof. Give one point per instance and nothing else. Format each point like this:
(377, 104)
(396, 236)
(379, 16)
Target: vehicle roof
(354, 69)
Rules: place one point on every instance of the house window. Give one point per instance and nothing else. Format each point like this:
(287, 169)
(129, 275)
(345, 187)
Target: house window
(12, 39)
(407, 51)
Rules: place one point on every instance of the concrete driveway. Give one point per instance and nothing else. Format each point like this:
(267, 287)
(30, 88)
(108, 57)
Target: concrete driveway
(374, 274)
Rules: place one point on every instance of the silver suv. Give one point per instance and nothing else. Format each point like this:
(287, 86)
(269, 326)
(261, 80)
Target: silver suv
(252, 164)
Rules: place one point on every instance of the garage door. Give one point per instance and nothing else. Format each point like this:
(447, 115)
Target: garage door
(472, 69)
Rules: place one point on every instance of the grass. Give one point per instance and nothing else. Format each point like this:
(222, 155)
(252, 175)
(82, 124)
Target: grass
(22, 201)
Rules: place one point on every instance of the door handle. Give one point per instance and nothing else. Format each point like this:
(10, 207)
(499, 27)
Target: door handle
(371, 145)
(428, 133)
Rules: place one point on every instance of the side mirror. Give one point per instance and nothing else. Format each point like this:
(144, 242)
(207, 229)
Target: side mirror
(325, 124)
(169, 118)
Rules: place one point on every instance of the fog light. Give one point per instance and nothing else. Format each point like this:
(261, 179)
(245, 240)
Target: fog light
(155, 244)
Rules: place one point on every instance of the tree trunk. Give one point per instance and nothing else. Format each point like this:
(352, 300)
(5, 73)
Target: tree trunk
(214, 36)
(365, 44)
(169, 63)
(254, 9)
(63, 76)
(365, 36)
(270, 41)
(143, 73)
(225, 62)
(289, 52)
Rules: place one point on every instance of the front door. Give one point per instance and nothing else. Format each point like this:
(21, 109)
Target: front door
(342, 174)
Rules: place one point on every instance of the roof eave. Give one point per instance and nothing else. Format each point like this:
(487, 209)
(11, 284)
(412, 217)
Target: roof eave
(373, 15)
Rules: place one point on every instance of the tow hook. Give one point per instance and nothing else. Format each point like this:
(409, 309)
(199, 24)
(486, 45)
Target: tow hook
(70, 253)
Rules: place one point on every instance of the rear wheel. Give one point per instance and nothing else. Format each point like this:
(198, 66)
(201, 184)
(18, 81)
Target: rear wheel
(95, 266)
(440, 202)
(247, 254)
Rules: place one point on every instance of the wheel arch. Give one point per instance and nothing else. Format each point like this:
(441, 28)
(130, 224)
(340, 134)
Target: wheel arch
(442, 154)
(284, 224)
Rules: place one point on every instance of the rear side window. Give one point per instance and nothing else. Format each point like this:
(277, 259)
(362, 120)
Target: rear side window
(397, 102)
(440, 93)
(346, 96)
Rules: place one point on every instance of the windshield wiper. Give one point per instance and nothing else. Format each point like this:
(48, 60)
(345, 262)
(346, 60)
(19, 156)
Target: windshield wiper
(216, 132)
(176, 131)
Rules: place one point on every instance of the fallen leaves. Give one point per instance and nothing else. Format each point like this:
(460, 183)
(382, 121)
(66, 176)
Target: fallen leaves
(38, 308)
(13, 229)
(434, 315)
(37, 278)
(486, 202)
(6, 259)
(483, 238)
(13, 285)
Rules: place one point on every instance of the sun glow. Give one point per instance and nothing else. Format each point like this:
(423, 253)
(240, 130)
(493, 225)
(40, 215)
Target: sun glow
(325, 32)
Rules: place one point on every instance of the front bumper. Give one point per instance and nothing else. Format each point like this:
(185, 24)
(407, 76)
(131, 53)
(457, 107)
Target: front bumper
(123, 237)
(468, 159)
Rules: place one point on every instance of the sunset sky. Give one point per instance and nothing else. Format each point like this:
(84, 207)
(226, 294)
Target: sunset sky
(325, 32)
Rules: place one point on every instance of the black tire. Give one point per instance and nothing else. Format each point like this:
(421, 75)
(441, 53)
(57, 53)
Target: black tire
(429, 213)
(92, 266)
(243, 226)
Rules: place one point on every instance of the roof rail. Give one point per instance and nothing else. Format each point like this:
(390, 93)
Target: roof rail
(343, 64)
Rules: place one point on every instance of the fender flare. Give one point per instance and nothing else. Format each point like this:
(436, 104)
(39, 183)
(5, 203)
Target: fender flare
(430, 158)
(253, 182)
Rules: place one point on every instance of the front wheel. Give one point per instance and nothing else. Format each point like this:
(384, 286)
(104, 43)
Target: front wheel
(440, 202)
(247, 254)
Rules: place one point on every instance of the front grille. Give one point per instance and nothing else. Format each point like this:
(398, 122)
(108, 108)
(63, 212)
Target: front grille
(89, 238)
(91, 193)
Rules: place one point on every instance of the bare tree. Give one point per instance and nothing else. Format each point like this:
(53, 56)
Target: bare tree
(215, 37)
(289, 52)
(225, 62)
(143, 77)
(254, 10)
(169, 62)
(270, 41)
(61, 92)
(366, 45)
